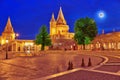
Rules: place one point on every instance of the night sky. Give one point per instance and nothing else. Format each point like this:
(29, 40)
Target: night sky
(28, 15)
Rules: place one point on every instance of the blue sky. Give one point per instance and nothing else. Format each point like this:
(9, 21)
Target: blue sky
(28, 15)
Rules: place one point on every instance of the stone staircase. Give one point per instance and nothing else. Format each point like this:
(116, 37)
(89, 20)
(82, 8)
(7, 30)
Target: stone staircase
(63, 44)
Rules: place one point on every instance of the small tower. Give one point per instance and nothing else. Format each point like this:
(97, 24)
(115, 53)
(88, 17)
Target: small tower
(52, 25)
(8, 33)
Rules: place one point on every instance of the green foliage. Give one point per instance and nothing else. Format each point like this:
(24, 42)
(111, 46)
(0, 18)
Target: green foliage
(79, 37)
(87, 40)
(85, 30)
(43, 37)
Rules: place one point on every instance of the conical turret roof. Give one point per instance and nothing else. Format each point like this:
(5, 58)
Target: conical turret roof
(53, 18)
(60, 18)
(8, 28)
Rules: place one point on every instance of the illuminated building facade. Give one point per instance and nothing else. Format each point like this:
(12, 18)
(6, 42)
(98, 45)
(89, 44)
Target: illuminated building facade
(8, 33)
(109, 41)
(59, 28)
(15, 45)
(59, 33)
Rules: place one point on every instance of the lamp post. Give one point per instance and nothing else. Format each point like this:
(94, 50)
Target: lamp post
(6, 49)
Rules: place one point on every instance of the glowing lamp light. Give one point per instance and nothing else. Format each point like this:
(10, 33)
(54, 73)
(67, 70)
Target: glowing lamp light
(71, 46)
(29, 44)
(28, 51)
(17, 34)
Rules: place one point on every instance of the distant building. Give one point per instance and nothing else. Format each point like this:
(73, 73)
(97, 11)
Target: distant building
(8, 33)
(59, 33)
(14, 44)
(59, 28)
(109, 41)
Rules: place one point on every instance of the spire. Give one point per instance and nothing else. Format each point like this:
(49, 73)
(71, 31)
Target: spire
(113, 30)
(103, 31)
(60, 18)
(9, 28)
(53, 18)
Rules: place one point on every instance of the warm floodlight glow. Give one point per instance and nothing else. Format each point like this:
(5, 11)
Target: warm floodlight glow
(29, 44)
(28, 51)
(6, 41)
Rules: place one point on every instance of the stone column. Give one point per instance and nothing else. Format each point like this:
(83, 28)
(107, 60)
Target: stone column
(35, 48)
(116, 45)
(12, 47)
(113, 45)
(107, 45)
(16, 46)
(91, 46)
(22, 46)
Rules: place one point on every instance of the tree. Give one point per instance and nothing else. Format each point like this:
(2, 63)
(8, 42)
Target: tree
(85, 30)
(43, 38)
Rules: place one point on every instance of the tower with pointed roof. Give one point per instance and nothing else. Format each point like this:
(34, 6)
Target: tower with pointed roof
(52, 25)
(60, 19)
(8, 28)
(59, 27)
(8, 33)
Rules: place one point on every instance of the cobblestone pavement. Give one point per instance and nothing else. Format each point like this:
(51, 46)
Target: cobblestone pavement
(26, 68)
(113, 64)
(86, 75)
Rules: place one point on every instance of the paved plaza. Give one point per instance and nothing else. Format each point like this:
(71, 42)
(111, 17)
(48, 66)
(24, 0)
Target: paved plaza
(51, 62)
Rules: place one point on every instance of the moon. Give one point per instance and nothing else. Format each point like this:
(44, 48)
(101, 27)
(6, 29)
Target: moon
(101, 14)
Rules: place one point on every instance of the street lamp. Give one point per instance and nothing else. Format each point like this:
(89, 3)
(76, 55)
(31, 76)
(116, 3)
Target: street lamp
(16, 35)
(6, 49)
